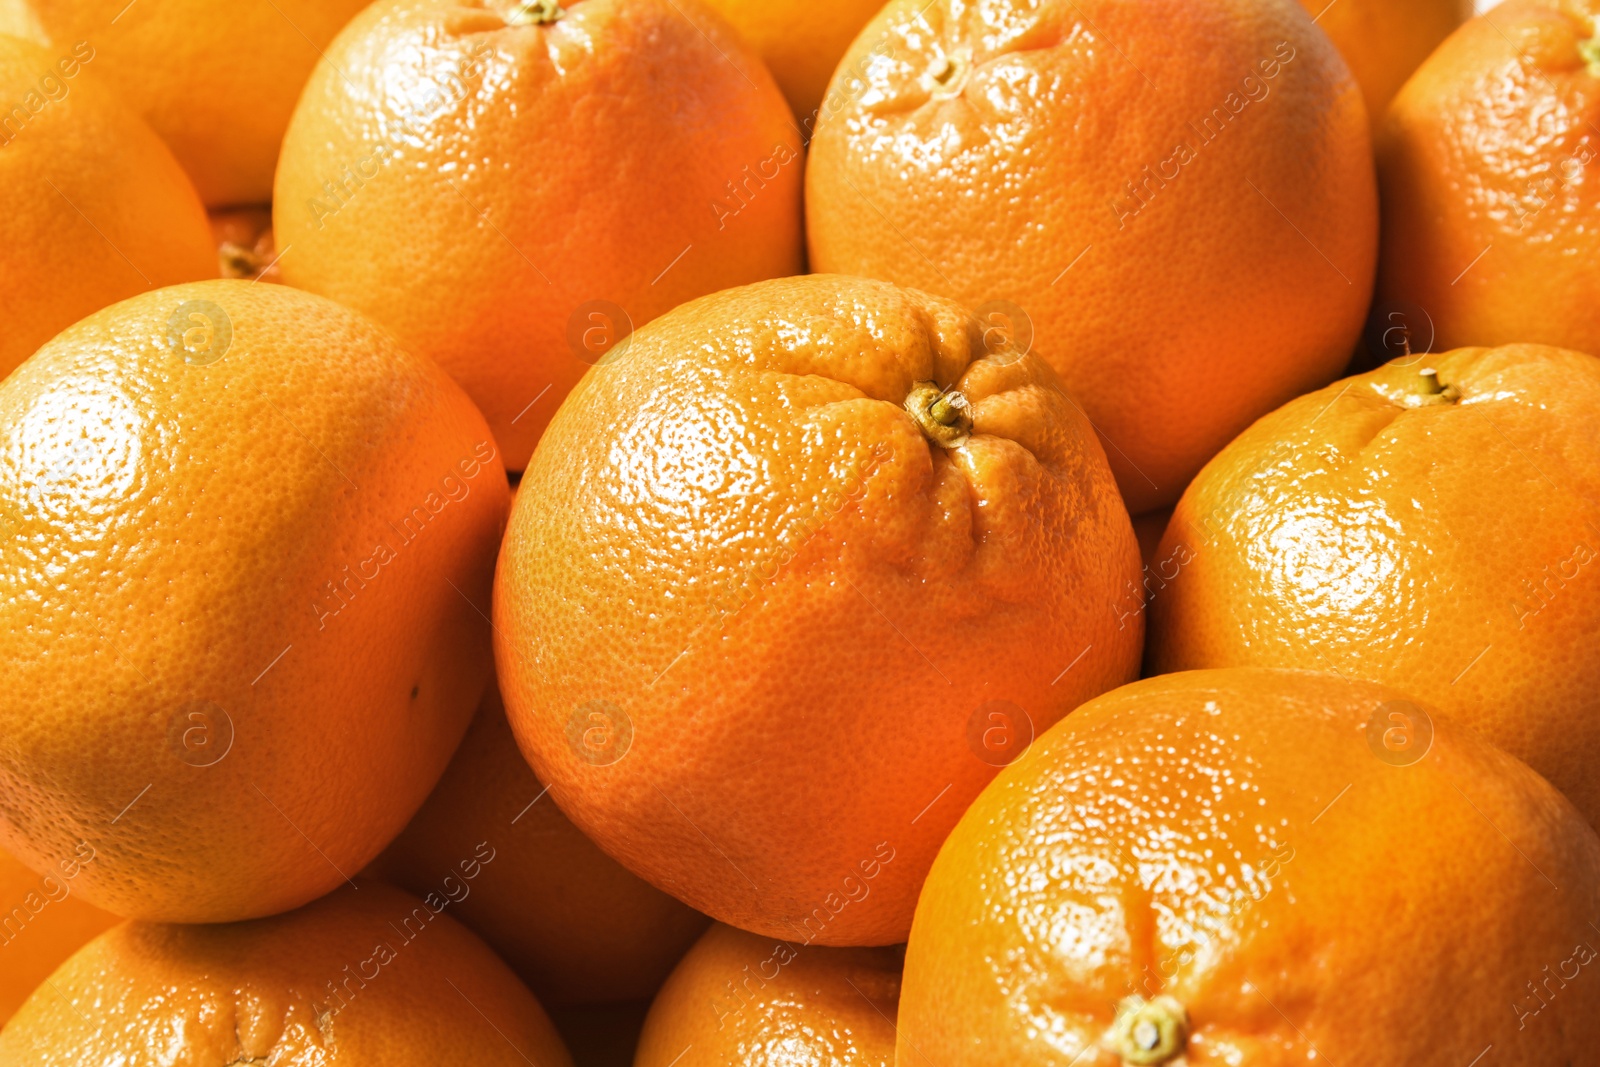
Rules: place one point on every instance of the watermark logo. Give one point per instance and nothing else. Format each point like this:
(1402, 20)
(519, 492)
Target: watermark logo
(200, 733)
(1398, 330)
(1007, 330)
(200, 331)
(1399, 733)
(600, 733)
(599, 332)
(999, 732)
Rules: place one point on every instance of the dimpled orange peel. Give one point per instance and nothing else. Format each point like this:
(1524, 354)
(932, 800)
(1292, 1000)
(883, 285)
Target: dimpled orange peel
(511, 187)
(1257, 868)
(1385, 40)
(1430, 525)
(364, 977)
(1176, 198)
(787, 582)
(746, 999)
(247, 567)
(573, 924)
(1487, 162)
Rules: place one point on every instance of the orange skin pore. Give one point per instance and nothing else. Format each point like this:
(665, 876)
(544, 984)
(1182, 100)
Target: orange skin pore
(1233, 840)
(752, 622)
(1442, 546)
(258, 533)
(572, 922)
(1488, 163)
(1189, 243)
(96, 209)
(367, 976)
(514, 218)
(739, 998)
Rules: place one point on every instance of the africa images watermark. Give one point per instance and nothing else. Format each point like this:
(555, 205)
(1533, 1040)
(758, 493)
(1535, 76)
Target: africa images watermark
(53, 889)
(854, 887)
(339, 593)
(52, 87)
(341, 990)
(1254, 87)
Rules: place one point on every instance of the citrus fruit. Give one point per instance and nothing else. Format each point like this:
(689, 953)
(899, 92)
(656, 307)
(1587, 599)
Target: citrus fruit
(571, 921)
(553, 177)
(218, 83)
(787, 583)
(1487, 163)
(800, 42)
(365, 977)
(41, 924)
(247, 556)
(96, 209)
(1187, 236)
(1242, 867)
(742, 998)
(1431, 525)
(1384, 41)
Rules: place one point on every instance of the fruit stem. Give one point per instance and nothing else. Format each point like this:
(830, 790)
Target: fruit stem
(535, 13)
(1590, 51)
(943, 415)
(1149, 1032)
(1436, 391)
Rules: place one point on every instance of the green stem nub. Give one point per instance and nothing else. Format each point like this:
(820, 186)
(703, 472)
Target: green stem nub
(1149, 1032)
(943, 415)
(535, 13)
(1590, 51)
(1434, 391)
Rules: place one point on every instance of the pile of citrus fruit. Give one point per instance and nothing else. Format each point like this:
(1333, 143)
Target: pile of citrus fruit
(799, 533)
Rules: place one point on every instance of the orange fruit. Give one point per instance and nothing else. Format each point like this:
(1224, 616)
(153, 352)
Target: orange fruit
(1384, 41)
(1432, 531)
(41, 924)
(247, 540)
(1236, 867)
(1188, 239)
(801, 42)
(218, 83)
(96, 210)
(552, 178)
(364, 977)
(1487, 164)
(742, 998)
(570, 920)
(788, 581)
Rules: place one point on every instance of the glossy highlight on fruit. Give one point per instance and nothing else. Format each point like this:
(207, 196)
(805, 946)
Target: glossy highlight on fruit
(765, 631)
(1487, 163)
(1186, 231)
(1429, 525)
(248, 538)
(549, 179)
(742, 998)
(365, 977)
(1231, 867)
